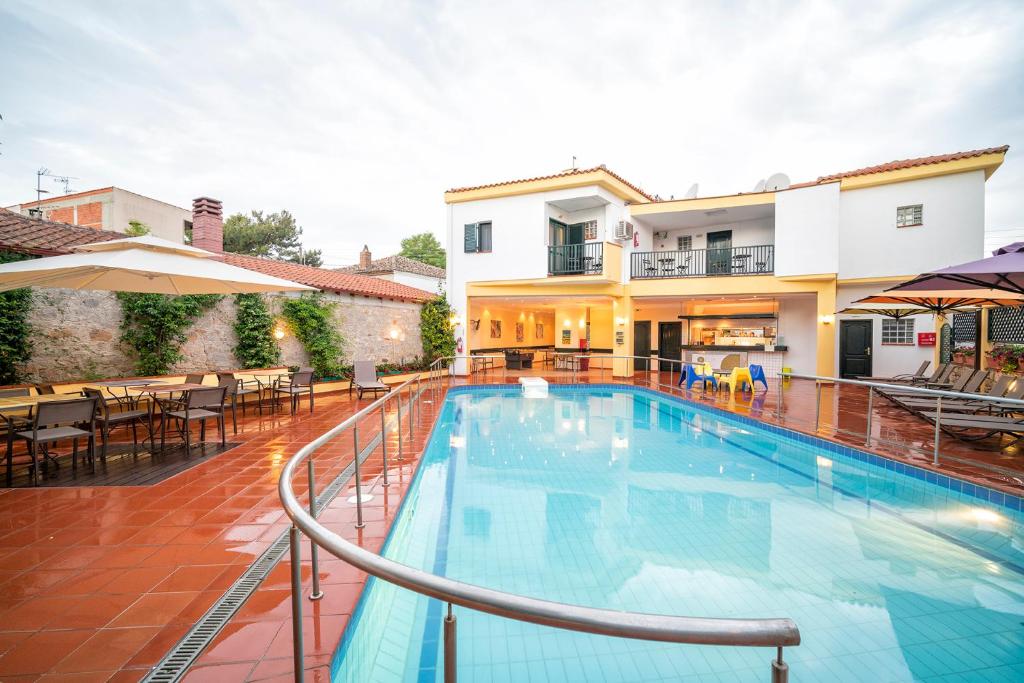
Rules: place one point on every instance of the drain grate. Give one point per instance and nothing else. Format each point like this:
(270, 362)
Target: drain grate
(177, 661)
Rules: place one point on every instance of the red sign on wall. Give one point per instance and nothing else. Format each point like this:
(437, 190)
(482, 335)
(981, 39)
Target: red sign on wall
(926, 339)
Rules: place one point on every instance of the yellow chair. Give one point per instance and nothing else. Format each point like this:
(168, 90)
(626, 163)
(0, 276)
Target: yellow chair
(737, 378)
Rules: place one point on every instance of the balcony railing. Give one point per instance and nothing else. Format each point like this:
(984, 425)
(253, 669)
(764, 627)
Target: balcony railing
(576, 259)
(756, 260)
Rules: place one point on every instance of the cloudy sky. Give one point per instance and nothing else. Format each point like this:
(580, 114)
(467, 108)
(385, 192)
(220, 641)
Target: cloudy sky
(356, 116)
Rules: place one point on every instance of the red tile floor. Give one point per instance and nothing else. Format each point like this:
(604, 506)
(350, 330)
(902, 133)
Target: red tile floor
(99, 582)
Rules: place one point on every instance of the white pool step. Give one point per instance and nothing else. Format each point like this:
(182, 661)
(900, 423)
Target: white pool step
(534, 387)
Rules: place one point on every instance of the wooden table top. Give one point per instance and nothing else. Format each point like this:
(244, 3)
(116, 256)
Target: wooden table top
(169, 388)
(16, 402)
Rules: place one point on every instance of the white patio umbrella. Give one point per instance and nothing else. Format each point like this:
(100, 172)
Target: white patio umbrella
(141, 264)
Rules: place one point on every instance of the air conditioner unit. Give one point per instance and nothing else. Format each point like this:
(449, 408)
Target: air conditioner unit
(624, 230)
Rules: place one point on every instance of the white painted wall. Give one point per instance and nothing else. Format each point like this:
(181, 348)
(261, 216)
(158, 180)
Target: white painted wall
(889, 360)
(744, 234)
(807, 230)
(798, 320)
(424, 282)
(164, 220)
(871, 245)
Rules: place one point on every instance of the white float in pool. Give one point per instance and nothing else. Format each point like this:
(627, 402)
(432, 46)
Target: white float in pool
(534, 387)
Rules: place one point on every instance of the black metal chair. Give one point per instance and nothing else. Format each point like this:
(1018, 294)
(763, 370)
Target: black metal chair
(294, 386)
(60, 421)
(197, 404)
(107, 420)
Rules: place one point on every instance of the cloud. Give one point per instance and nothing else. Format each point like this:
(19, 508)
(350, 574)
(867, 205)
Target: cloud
(357, 116)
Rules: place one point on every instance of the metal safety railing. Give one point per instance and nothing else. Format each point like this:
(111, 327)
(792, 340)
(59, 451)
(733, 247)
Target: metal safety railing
(778, 633)
(883, 388)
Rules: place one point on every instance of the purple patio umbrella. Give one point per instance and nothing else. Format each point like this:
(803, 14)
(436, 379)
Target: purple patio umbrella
(1003, 271)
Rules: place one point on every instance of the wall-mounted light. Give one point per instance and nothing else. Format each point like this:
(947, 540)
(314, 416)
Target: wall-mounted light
(583, 322)
(827, 319)
(278, 332)
(620, 321)
(567, 322)
(394, 333)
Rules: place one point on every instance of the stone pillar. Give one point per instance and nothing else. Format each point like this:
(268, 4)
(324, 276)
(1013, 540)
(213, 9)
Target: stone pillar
(208, 225)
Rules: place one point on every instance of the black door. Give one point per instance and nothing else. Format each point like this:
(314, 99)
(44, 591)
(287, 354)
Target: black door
(720, 252)
(642, 344)
(566, 258)
(670, 342)
(855, 348)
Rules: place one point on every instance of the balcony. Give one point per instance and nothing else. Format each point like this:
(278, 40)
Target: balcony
(576, 259)
(756, 260)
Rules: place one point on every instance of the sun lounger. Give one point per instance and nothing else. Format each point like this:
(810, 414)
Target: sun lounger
(966, 404)
(364, 378)
(960, 426)
(917, 376)
(959, 385)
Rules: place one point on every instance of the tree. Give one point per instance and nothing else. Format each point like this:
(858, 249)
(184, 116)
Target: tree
(436, 328)
(425, 248)
(274, 235)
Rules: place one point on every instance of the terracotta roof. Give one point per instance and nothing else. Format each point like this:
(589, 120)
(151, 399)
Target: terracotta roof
(391, 264)
(563, 174)
(911, 163)
(329, 280)
(46, 238)
(37, 236)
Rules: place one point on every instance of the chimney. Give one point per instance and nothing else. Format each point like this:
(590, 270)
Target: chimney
(207, 225)
(365, 258)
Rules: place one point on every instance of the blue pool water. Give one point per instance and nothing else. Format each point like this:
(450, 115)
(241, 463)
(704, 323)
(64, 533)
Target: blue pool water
(623, 498)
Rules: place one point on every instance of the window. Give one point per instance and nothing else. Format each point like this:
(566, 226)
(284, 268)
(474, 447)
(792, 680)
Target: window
(908, 216)
(590, 230)
(898, 331)
(684, 243)
(478, 237)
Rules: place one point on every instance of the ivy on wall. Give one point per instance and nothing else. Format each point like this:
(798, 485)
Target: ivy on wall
(154, 326)
(254, 325)
(15, 332)
(436, 328)
(311, 319)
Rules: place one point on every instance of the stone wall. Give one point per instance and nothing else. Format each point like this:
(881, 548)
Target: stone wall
(76, 335)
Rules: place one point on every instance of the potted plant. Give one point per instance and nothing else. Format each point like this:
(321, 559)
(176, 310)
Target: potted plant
(1008, 358)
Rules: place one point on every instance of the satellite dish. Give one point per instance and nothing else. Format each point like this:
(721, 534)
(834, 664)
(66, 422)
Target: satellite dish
(777, 181)
(759, 187)
(691, 193)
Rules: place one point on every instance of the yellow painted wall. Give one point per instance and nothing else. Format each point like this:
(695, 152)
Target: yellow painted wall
(509, 316)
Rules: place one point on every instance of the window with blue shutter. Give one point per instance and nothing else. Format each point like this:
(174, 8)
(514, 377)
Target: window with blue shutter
(477, 237)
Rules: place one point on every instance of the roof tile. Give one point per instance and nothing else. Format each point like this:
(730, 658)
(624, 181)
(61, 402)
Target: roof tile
(912, 163)
(37, 236)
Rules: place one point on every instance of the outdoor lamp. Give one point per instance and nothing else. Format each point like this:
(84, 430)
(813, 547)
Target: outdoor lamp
(278, 333)
(394, 334)
(826, 319)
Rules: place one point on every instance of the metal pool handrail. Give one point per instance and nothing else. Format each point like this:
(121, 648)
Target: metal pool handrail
(939, 394)
(778, 633)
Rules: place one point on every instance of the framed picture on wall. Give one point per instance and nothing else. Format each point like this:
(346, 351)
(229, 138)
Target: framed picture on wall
(495, 329)
(566, 337)
(520, 332)
(539, 332)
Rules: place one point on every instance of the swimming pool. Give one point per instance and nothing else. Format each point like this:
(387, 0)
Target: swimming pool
(625, 498)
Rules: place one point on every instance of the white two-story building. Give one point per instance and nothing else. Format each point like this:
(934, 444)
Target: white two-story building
(584, 258)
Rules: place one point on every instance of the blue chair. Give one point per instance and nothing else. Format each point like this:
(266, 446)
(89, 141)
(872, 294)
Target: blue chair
(692, 377)
(757, 375)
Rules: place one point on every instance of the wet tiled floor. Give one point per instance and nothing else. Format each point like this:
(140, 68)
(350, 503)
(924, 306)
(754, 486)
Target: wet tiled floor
(99, 582)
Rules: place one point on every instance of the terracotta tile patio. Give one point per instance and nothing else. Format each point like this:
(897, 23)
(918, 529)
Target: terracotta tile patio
(99, 582)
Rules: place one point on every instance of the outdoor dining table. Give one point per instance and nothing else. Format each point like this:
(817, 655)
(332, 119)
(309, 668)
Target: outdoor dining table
(125, 384)
(154, 390)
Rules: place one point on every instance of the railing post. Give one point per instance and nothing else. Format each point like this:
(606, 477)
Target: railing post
(449, 647)
(384, 440)
(295, 541)
(314, 550)
(412, 411)
(817, 406)
(780, 670)
(359, 486)
(398, 416)
(867, 436)
(782, 378)
(938, 420)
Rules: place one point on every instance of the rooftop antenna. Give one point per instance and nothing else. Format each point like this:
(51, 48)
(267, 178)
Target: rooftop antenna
(777, 181)
(44, 172)
(759, 187)
(574, 162)
(692, 192)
